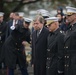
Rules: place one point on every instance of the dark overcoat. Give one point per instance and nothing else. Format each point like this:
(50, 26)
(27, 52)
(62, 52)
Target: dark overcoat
(13, 49)
(2, 34)
(55, 53)
(70, 51)
(39, 47)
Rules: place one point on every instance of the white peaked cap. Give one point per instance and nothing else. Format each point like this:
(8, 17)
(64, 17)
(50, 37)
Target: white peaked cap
(43, 12)
(1, 13)
(27, 19)
(70, 10)
(21, 14)
(51, 20)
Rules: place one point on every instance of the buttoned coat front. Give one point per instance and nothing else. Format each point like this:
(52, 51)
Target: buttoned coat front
(70, 51)
(55, 53)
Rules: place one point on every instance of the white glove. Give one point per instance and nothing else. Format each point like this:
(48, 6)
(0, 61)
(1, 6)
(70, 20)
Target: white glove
(60, 71)
(12, 27)
(0, 37)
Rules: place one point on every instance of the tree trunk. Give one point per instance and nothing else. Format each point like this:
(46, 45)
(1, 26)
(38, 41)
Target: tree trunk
(1, 5)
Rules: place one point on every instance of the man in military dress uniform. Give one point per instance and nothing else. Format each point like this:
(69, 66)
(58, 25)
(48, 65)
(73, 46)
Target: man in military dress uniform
(70, 43)
(13, 49)
(2, 32)
(55, 47)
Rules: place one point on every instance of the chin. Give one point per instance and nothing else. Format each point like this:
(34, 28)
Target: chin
(49, 30)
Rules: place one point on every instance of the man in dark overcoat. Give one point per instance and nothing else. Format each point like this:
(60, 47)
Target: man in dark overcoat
(45, 14)
(55, 48)
(70, 43)
(2, 32)
(13, 49)
(39, 46)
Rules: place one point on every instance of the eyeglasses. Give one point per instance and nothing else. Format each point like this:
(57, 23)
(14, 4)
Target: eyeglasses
(0, 16)
(49, 24)
(69, 15)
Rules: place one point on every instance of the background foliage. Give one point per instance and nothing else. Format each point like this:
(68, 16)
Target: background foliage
(8, 6)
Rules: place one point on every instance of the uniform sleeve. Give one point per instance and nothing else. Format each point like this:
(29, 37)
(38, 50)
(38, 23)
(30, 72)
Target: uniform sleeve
(28, 36)
(61, 53)
(32, 55)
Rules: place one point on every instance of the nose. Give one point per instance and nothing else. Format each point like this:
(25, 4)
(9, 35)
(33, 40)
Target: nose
(67, 17)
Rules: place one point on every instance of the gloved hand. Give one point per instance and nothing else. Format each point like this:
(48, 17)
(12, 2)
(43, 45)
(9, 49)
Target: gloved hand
(12, 27)
(60, 72)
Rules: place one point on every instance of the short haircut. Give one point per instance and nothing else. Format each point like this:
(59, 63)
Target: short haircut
(39, 18)
(59, 14)
(17, 14)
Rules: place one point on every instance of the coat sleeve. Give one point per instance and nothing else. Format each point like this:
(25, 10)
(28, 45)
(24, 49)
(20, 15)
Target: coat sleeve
(61, 53)
(3, 34)
(32, 55)
(28, 36)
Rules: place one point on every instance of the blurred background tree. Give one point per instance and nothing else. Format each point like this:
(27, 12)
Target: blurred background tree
(26, 6)
(8, 6)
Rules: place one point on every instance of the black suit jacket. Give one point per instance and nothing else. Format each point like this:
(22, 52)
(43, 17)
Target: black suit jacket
(39, 47)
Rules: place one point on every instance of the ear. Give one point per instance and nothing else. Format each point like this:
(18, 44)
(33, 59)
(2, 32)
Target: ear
(74, 16)
(56, 23)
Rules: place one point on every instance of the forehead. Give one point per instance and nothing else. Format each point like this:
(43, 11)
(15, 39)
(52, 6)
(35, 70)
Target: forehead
(51, 24)
(58, 15)
(1, 16)
(36, 21)
(11, 13)
(70, 15)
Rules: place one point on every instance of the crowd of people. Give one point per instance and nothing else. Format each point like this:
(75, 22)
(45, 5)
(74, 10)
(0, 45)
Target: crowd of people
(52, 41)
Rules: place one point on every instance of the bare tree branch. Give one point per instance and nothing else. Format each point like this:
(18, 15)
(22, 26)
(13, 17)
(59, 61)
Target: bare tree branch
(1, 5)
(22, 3)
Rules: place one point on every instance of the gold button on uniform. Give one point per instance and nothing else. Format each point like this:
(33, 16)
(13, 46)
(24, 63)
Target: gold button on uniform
(48, 67)
(47, 58)
(66, 46)
(16, 43)
(0, 32)
(48, 49)
(65, 65)
(67, 56)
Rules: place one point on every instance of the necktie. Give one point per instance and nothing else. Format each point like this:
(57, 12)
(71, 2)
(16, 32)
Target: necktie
(15, 23)
(38, 32)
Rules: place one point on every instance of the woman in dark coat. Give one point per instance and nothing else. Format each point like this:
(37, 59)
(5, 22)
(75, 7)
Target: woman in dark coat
(13, 48)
